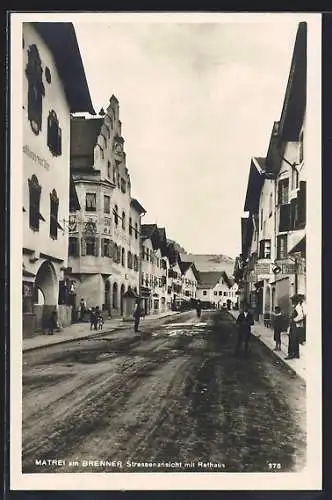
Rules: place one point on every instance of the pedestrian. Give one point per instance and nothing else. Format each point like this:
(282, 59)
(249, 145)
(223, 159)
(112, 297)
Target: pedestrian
(244, 321)
(92, 317)
(278, 326)
(198, 308)
(294, 330)
(82, 309)
(52, 323)
(96, 318)
(302, 309)
(137, 315)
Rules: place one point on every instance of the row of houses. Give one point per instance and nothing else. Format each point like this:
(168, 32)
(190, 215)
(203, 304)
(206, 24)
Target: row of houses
(83, 235)
(272, 265)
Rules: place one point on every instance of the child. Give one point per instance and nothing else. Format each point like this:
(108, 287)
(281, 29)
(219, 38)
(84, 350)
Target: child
(278, 326)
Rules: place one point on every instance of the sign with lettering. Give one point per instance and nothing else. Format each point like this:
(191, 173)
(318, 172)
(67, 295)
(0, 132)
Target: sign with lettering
(262, 268)
(36, 158)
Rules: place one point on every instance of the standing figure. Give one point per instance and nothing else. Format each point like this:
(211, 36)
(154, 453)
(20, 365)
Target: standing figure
(52, 324)
(96, 318)
(137, 314)
(92, 317)
(198, 308)
(295, 328)
(82, 309)
(278, 326)
(244, 321)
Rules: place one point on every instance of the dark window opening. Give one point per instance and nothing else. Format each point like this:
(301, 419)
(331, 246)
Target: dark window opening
(283, 187)
(90, 202)
(48, 74)
(123, 256)
(73, 246)
(53, 134)
(123, 220)
(34, 203)
(54, 208)
(36, 89)
(107, 204)
(265, 249)
(136, 230)
(130, 226)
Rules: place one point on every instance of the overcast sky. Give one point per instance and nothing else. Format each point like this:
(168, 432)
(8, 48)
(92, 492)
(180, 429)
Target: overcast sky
(196, 102)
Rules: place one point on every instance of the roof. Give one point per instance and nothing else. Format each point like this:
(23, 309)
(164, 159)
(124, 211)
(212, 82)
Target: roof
(255, 182)
(150, 231)
(83, 138)
(209, 279)
(185, 266)
(136, 204)
(294, 104)
(62, 42)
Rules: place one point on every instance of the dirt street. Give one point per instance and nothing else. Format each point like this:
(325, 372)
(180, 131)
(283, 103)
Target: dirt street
(175, 398)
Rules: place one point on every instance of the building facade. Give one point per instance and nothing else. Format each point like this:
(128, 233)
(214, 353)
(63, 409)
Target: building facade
(54, 85)
(104, 244)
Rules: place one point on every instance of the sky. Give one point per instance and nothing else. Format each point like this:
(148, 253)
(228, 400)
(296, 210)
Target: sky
(197, 101)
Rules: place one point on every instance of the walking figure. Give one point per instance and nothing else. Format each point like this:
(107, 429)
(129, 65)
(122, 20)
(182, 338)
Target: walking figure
(137, 315)
(52, 323)
(92, 317)
(278, 327)
(198, 308)
(82, 309)
(244, 321)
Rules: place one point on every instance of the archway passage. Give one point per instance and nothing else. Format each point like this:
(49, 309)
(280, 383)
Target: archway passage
(122, 291)
(47, 285)
(115, 296)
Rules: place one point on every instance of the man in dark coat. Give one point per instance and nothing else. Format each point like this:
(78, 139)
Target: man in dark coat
(244, 321)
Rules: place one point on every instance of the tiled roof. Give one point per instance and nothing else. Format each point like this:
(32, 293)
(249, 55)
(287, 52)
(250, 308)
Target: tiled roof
(147, 230)
(136, 204)
(83, 137)
(209, 279)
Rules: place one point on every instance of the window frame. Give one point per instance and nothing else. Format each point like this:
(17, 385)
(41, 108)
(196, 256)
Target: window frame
(93, 197)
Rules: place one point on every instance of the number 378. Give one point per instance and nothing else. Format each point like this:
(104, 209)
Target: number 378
(274, 466)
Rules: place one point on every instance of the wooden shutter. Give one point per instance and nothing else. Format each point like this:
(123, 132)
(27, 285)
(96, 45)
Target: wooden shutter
(96, 247)
(102, 247)
(83, 246)
(293, 211)
(284, 217)
(261, 249)
(301, 200)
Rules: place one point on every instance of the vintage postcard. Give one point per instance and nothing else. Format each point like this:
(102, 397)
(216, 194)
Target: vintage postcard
(165, 299)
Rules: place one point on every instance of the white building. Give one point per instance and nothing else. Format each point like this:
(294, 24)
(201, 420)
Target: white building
(54, 85)
(190, 279)
(216, 289)
(104, 242)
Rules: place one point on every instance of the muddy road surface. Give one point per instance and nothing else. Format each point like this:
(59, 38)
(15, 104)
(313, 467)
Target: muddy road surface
(174, 398)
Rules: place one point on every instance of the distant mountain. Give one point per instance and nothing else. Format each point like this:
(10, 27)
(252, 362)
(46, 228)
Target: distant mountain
(212, 262)
(177, 246)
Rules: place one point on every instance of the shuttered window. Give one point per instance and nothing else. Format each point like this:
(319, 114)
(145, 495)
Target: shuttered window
(265, 249)
(284, 218)
(283, 188)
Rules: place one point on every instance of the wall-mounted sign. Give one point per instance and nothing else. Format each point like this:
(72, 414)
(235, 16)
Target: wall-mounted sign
(36, 158)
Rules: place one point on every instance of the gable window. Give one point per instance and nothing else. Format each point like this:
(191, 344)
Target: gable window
(36, 89)
(123, 220)
(116, 216)
(54, 208)
(130, 226)
(107, 204)
(73, 246)
(136, 230)
(265, 249)
(53, 134)
(90, 202)
(34, 203)
(283, 187)
(282, 247)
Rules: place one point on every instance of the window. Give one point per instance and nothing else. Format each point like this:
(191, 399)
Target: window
(283, 186)
(116, 216)
(73, 246)
(115, 252)
(130, 260)
(282, 247)
(136, 230)
(53, 134)
(295, 178)
(90, 246)
(108, 168)
(261, 218)
(123, 220)
(123, 256)
(220, 293)
(265, 249)
(215, 293)
(147, 254)
(105, 247)
(107, 204)
(48, 75)
(36, 89)
(135, 263)
(293, 213)
(270, 205)
(204, 292)
(90, 202)
(225, 294)
(130, 226)
(301, 149)
(284, 218)
(54, 208)
(34, 203)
